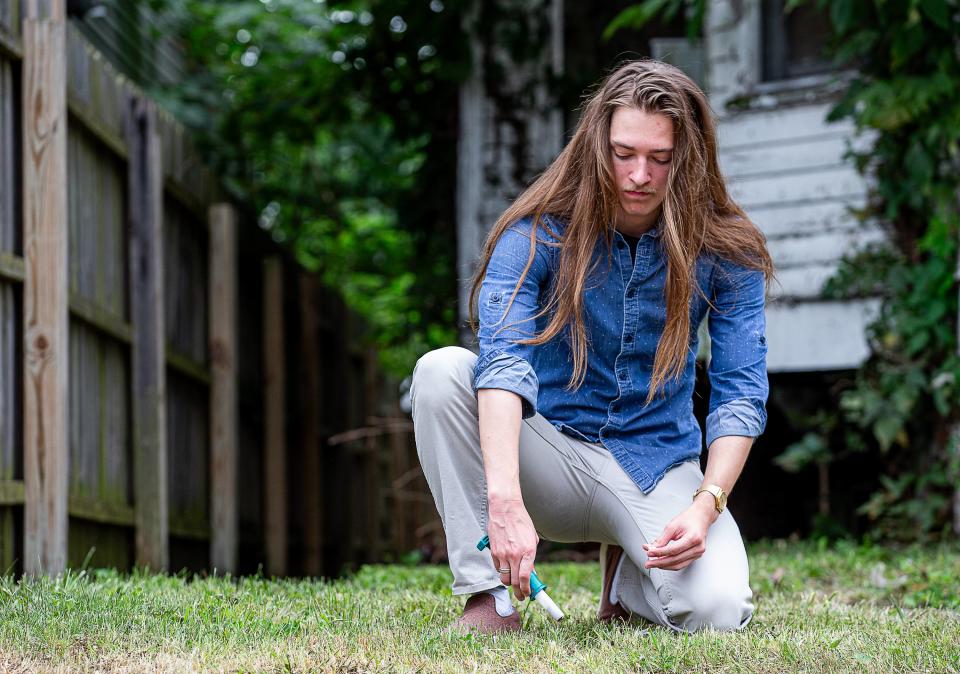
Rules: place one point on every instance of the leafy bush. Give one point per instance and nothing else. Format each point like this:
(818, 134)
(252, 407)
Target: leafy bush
(336, 124)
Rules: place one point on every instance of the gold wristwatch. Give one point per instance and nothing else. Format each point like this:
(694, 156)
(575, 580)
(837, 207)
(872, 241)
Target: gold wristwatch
(719, 496)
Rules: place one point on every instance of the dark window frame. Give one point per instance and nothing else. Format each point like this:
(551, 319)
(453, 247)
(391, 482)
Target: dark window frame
(777, 64)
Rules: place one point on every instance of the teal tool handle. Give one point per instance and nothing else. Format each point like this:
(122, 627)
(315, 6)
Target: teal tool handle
(535, 584)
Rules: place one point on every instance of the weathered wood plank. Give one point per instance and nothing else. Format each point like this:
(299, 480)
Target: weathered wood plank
(8, 540)
(186, 281)
(274, 405)
(9, 143)
(39, 10)
(833, 335)
(185, 175)
(46, 359)
(148, 354)
(309, 367)
(804, 153)
(84, 417)
(823, 248)
(10, 384)
(10, 45)
(372, 474)
(10, 18)
(782, 125)
(780, 220)
(841, 182)
(399, 465)
(105, 512)
(223, 389)
(188, 461)
(96, 92)
(106, 322)
(114, 485)
(99, 544)
(187, 366)
(12, 492)
(11, 267)
(98, 269)
(801, 283)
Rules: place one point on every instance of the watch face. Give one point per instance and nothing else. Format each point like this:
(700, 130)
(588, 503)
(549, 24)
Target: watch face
(723, 500)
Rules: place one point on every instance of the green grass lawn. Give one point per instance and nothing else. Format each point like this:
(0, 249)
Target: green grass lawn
(848, 608)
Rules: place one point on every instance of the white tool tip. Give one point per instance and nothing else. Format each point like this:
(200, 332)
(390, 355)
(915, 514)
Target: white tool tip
(547, 603)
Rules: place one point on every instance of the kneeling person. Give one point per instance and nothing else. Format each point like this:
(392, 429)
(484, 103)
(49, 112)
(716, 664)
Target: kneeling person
(576, 420)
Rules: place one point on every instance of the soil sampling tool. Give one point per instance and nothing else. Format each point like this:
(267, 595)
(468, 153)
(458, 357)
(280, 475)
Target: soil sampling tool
(537, 588)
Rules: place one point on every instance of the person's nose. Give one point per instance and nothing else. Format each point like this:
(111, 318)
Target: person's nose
(640, 174)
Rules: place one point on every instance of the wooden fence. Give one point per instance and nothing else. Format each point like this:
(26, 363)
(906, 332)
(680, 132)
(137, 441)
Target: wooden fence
(174, 391)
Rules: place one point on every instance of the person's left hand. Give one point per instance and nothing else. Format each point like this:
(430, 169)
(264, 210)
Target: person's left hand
(684, 539)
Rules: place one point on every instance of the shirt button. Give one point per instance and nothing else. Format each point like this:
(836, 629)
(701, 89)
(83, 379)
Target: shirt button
(628, 339)
(631, 292)
(623, 376)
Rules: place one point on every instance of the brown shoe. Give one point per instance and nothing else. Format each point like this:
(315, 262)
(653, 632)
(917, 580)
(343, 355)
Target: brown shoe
(609, 560)
(480, 616)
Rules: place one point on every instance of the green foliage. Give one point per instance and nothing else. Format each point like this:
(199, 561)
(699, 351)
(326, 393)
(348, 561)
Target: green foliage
(905, 399)
(332, 121)
(639, 15)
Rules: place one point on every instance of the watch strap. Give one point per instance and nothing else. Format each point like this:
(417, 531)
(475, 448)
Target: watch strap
(718, 494)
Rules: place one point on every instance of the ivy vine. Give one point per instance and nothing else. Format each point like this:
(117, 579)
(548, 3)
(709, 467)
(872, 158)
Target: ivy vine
(904, 402)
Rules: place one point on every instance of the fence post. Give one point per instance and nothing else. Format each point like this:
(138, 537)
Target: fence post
(401, 522)
(374, 477)
(223, 389)
(274, 404)
(46, 321)
(310, 386)
(148, 352)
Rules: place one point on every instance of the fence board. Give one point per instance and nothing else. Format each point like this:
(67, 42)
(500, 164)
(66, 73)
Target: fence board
(45, 293)
(97, 93)
(99, 544)
(251, 243)
(185, 282)
(150, 405)
(188, 458)
(223, 393)
(9, 160)
(274, 405)
(10, 384)
(309, 365)
(98, 242)
(10, 16)
(184, 174)
(99, 417)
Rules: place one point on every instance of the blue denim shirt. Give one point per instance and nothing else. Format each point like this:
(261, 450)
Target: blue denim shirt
(625, 313)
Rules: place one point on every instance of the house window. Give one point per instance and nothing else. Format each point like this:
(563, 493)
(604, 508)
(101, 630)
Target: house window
(794, 42)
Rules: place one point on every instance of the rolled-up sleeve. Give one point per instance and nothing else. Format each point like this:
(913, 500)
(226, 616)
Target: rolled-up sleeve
(738, 353)
(505, 317)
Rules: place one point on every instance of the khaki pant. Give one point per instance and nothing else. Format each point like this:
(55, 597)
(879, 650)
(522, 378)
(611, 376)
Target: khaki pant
(575, 491)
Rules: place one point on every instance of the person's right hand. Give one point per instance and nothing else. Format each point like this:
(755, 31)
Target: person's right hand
(513, 544)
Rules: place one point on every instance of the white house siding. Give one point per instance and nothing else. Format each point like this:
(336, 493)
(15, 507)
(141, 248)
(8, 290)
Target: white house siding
(785, 166)
(492, 168)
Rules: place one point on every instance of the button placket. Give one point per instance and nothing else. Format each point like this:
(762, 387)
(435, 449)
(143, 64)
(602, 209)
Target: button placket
(621, 368)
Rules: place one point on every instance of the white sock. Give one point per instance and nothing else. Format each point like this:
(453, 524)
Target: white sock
(502, 597)
(614, 586)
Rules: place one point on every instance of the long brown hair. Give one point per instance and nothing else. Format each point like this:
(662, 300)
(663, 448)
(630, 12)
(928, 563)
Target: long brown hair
(698, 215)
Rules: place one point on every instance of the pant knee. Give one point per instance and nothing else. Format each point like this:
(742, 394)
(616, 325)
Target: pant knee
(721, 611)
(439, 373)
